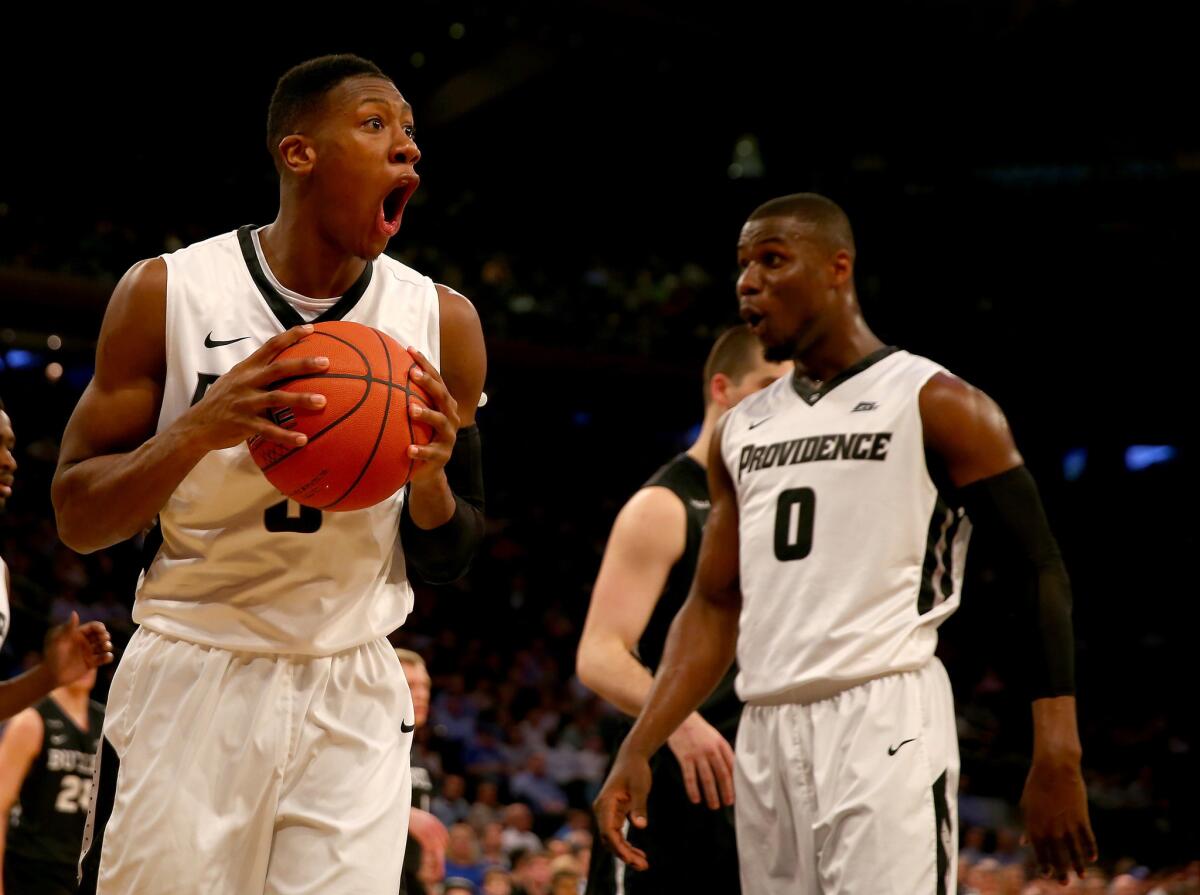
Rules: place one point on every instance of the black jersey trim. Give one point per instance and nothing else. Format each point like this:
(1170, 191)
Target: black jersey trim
(810, 395)
(284, 312)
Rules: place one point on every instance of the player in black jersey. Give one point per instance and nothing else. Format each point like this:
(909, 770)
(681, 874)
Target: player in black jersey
(71, 648)
(47, 754)
(644, 579)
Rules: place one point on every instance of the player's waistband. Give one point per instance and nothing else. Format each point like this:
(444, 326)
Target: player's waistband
(826, 688)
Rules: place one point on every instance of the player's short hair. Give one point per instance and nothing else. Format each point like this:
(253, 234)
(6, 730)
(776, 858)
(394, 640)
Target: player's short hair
(735, 353)
(830, 222)
(409, 657)
(302, 88)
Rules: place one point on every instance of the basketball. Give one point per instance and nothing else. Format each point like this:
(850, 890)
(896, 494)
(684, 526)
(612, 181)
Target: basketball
(357, 449)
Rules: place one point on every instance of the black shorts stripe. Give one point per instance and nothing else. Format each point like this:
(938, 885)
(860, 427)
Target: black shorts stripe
(942, 831)
(104, 791)
(937, 526)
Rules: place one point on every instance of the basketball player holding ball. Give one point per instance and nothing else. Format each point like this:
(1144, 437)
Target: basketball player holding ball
(259, 718)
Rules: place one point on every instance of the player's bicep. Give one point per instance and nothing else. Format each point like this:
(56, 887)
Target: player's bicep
(647, 539)
(19, 746)
(463, 352)
(966, 430)
(119, 408)
(717, 569)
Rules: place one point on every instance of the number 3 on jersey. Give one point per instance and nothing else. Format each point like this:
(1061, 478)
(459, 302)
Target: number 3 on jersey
(794, 523)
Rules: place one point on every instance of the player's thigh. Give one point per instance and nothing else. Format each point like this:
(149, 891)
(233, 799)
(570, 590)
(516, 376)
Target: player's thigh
(343, 815)
(884, 785)
(200, 734)
(774, 802)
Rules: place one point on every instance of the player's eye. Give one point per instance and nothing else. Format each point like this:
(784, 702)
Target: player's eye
(410, 132)
(772, 259)
(374, 123)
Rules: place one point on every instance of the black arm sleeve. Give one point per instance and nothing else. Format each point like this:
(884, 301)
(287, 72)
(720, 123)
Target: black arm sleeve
(1007, 507)
(444, 554)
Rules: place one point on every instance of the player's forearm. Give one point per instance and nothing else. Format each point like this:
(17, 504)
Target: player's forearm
(1056, 732)
(431, 502)
(609, 670)
(24, 690)
(700, 647)
(103, 500)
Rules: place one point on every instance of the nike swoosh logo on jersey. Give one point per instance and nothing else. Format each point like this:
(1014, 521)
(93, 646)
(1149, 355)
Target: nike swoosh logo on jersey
(700, 504)
(407, 728)
(58, 739)
(759, 423)
(892, 750)
(210, 342)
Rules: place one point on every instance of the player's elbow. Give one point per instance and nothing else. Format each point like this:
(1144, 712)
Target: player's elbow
(83, 528)
(589, 664)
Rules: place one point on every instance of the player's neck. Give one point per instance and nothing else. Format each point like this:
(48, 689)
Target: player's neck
(74, 703)
(304, 261)
(839, 348)
(699, 449)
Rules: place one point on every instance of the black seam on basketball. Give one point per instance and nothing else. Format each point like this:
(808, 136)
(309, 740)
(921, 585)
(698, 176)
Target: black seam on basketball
(412, 435)
(366, 365)
(387, 406)
(318, 434)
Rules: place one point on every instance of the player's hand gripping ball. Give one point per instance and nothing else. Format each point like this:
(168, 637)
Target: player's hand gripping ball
(357, 449)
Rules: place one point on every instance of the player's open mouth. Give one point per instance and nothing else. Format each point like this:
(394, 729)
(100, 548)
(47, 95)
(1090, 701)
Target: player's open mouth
(753, 318)
(391, 209)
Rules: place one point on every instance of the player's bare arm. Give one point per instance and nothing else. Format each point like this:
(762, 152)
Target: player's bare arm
(70, 651)
(454, 396)
(700, 647)
(114, 473)
(20, 744)
(969, 433)
(647, 540)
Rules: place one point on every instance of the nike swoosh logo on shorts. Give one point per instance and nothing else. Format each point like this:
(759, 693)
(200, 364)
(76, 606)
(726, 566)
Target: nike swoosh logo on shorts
(407, 728)
(892, 750)
(759, 423)
(210, 342)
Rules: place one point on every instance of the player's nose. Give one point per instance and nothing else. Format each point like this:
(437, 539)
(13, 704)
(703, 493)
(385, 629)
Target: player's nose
(405, 151)
(748, 282)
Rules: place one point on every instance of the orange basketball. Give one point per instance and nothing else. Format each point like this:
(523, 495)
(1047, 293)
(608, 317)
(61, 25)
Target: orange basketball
(357, 449)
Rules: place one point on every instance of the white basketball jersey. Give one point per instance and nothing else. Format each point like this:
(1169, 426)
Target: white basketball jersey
(234, 564)
(850, 558)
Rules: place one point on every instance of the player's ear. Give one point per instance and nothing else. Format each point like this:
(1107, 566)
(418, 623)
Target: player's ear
(718, 390)
(841, 266)
(298, 154)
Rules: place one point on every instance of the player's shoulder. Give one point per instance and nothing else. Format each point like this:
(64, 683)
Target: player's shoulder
(762, 402)
(226, 243)
(26, 728)
(396, 271)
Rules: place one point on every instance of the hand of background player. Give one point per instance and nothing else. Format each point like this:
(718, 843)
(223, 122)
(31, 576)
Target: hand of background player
(1054, 805)
(706, 759)
(624, 794)
(234, 407)
(433, 836)
(71, 649)
(442, 415)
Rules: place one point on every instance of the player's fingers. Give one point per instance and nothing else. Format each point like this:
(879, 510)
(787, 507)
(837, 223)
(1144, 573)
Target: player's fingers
(434, 453)
(1044, 864)
(444, 429)
(277, 343)
(278, 372)
(1087, 841)
(72, 622)
(424, 363)
(1060, 862)
(688, 766)
(724, 771)
(267, 400)
(1073, 852)
(708, 780)
(278, 435)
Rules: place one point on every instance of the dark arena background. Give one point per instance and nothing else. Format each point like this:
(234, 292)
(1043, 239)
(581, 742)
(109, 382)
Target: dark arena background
(1022, 177)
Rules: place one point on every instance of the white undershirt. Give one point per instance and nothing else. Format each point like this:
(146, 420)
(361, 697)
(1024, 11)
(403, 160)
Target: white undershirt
(308, 308)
